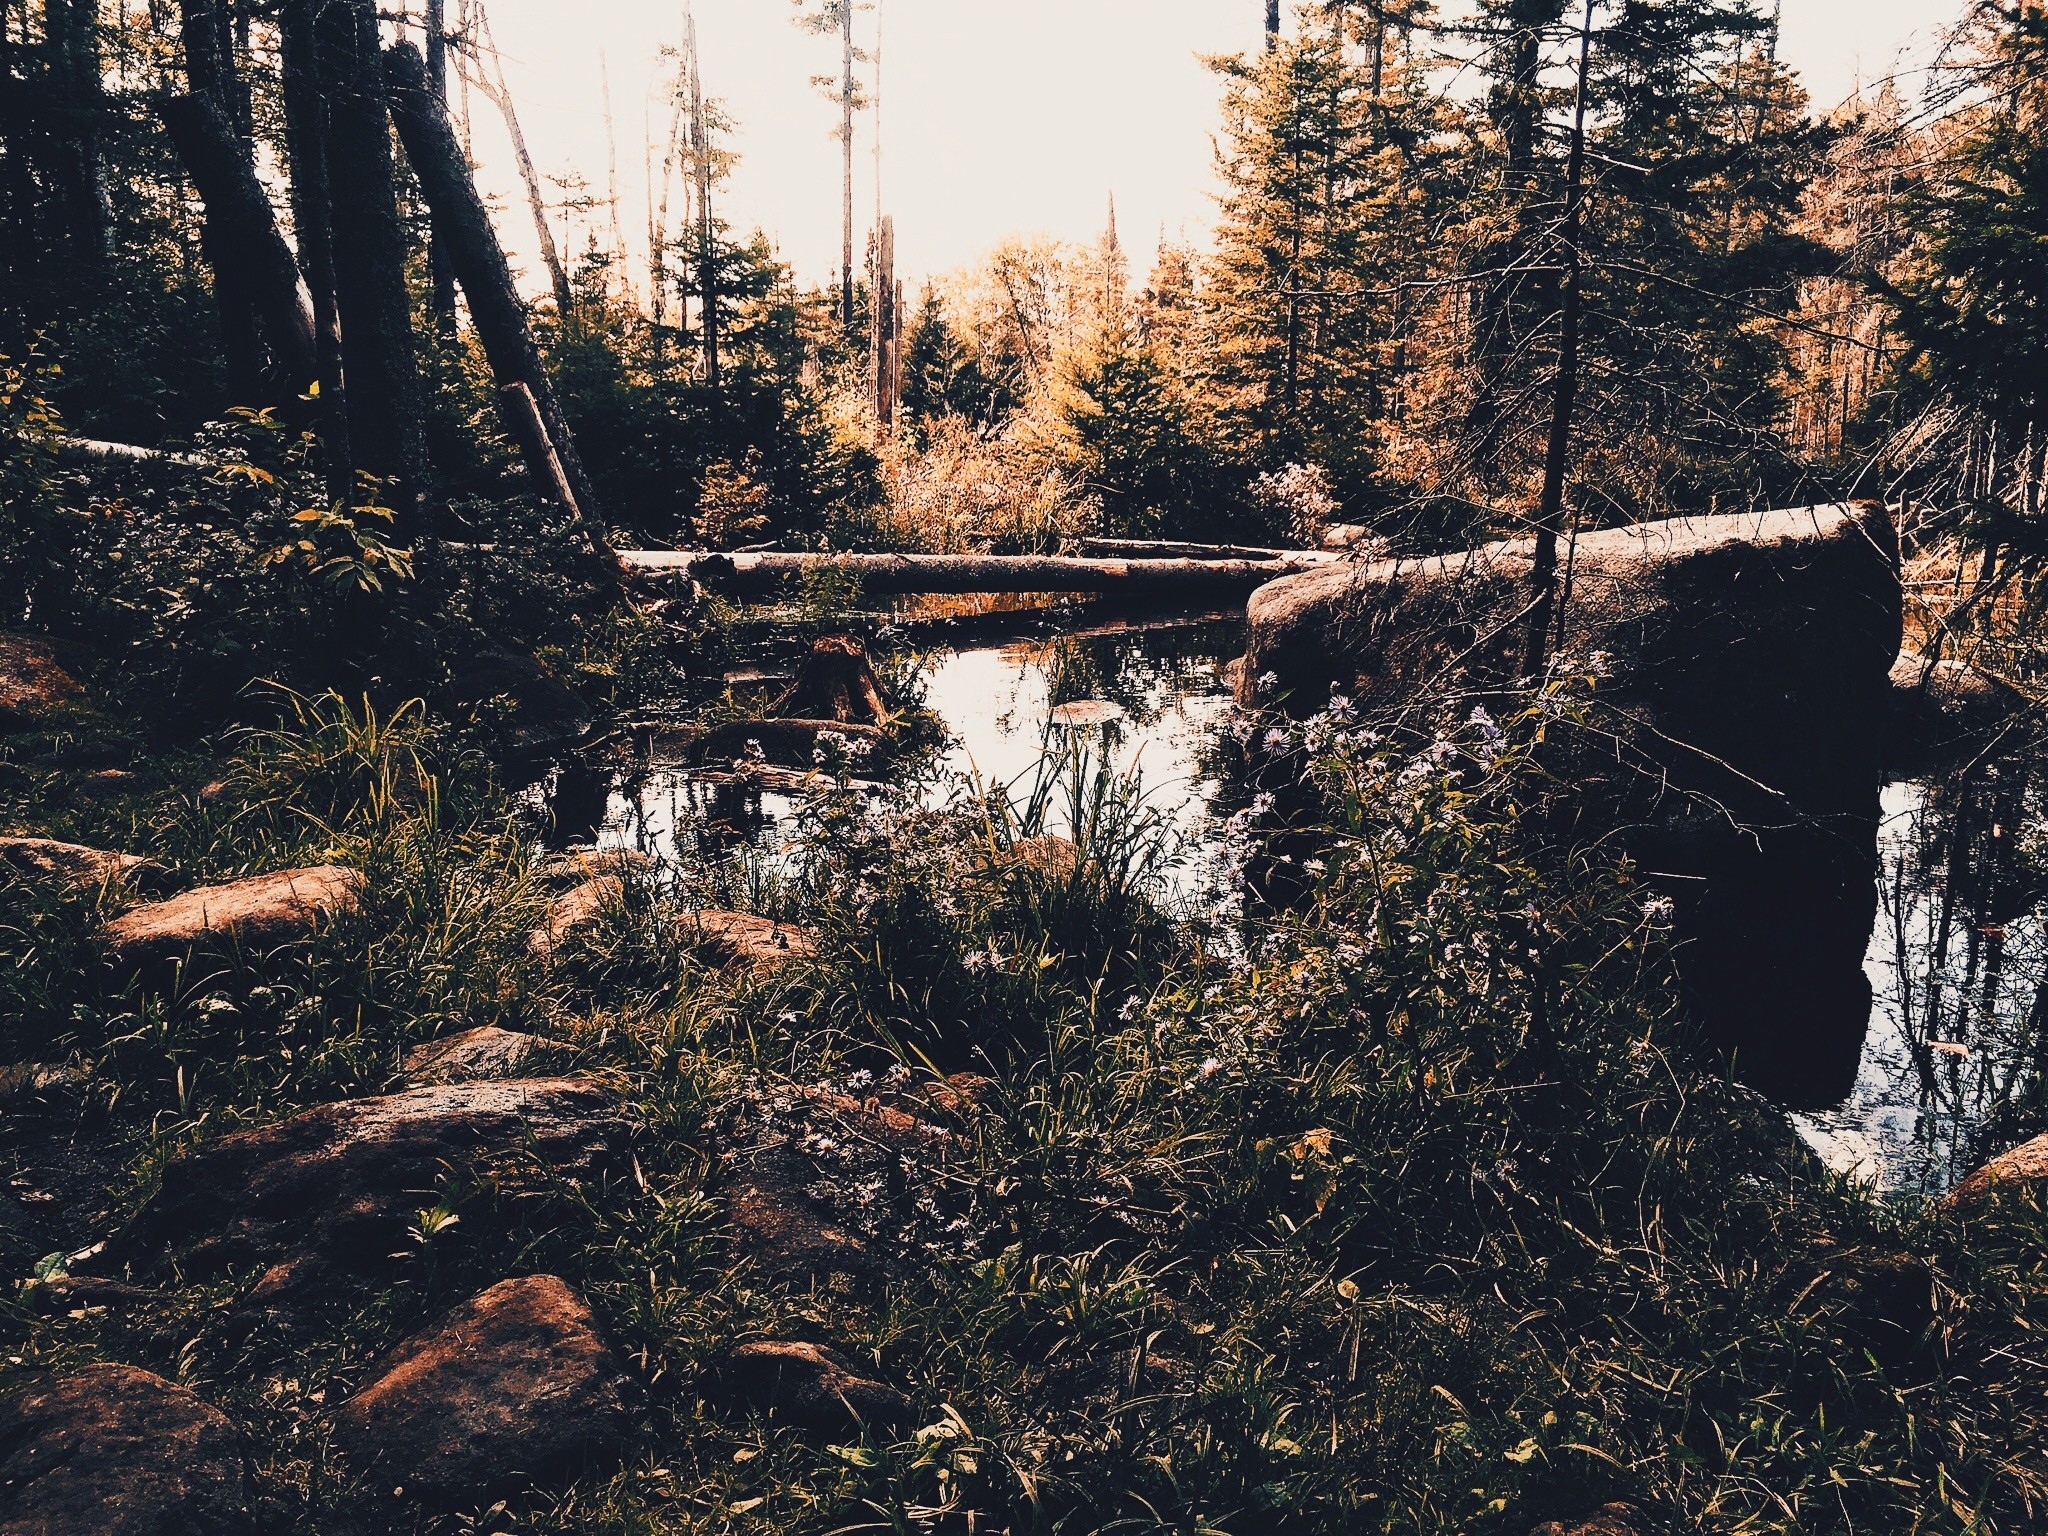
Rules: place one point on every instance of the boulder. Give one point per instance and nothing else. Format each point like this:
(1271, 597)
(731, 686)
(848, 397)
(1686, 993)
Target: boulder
(1610, 1520)
(114, 1451)
(810, 1386)
(1734, 748)
(474, 1055)
(77, 866)
(1944, 710)
(33, 686)
(573, 913)
(2022, 1170)
(335, 1189)
(258, 913)
(744, 940)
(513, 1389)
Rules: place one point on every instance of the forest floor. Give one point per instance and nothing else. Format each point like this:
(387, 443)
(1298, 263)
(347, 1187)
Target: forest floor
(941, 1176)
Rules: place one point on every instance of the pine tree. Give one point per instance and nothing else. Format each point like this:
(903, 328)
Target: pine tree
(1331, 184)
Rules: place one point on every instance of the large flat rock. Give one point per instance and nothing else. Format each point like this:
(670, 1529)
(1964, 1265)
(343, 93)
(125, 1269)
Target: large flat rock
(33, 684)
(1735, 747)
(335, 1189)
(258, 913)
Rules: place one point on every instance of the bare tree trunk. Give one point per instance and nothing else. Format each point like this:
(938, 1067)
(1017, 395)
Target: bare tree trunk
(305, 115)
(384, 401)
(499, 93)
(251, 263)
(1557, 459)
(463, 225)
(707, 228)
(442, 302)
(848, 97)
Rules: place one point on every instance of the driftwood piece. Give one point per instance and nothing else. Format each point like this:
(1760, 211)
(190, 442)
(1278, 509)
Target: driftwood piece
(759, 574)
(249, 256)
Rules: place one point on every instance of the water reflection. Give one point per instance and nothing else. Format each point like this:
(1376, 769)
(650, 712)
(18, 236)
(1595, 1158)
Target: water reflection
(1959, 964)
(1150, 695)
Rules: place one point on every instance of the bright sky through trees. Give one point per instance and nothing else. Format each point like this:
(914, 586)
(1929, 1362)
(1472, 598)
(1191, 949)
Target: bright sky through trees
(999, 116)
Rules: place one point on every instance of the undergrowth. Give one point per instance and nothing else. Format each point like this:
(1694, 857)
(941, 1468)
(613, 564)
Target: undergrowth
(1412, 1209)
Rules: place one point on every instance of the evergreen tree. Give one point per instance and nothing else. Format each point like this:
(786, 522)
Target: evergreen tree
(941, 375)
(1331, 177)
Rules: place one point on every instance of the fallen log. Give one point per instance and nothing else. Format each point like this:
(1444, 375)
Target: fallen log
(750, 575)
(1176, 549)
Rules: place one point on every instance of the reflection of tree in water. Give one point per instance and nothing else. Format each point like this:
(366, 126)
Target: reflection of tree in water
(1962, 888)
(1144, 672)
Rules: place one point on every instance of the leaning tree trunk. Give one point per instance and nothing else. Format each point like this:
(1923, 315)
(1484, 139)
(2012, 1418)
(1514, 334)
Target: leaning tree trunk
(463, 227)
(252, 265)
(305, 115)
(385, 408)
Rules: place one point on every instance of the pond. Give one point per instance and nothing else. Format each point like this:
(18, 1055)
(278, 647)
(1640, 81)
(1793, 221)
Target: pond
(1147, 693)
(1958, 960)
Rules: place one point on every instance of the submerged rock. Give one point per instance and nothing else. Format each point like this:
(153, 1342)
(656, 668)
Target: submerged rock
(810, 1386)
(257, 913)
(512, 1389)
(786, 742)
(115, 1451)
(745, 940)
(75, 865)
(474, 1055)
(33, 685)
(1735, 748)
(336, 1188)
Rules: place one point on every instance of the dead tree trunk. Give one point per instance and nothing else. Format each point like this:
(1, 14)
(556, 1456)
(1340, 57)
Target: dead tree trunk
(707, 226)
(305, 114)
(384, 401)
(764, 573)
(499, 94)
(1564, 400)
(440, 270)
(462, 224)
(251, 263)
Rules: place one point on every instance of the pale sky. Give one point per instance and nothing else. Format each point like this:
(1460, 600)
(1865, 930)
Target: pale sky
(1000, 117)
